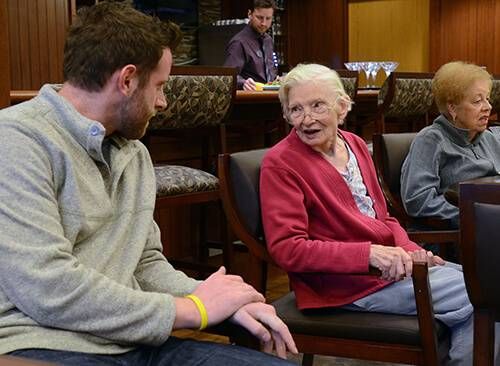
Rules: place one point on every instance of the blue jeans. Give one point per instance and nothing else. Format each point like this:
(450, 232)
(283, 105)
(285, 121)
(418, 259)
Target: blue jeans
(174, 351)
(451, 306)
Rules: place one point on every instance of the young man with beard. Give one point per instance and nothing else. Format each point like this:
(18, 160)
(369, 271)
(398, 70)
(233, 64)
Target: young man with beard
(251, 50)
(84, 281)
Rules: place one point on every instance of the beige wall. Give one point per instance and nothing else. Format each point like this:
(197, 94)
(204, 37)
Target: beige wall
(390, 30)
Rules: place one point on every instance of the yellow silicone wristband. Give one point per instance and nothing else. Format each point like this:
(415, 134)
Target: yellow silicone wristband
(201, 308)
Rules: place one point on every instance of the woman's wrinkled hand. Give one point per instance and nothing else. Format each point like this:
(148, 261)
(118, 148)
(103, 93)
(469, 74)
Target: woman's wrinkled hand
(423, 255)
(394, 262)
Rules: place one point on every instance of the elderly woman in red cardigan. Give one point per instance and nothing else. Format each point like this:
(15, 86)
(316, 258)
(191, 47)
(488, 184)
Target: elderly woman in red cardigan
(325, 217)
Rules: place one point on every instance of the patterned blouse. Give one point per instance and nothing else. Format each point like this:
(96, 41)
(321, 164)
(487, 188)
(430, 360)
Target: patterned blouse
(354, 180)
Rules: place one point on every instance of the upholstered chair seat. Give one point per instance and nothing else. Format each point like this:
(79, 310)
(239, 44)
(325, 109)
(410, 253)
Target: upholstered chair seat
(175, 179)
(355, 325)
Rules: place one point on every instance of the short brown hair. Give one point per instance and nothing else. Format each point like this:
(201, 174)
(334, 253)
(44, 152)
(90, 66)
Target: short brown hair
(453, 79)
(110, 35)
(263, 4)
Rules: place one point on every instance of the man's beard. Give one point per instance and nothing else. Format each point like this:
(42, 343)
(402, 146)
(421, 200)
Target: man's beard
(134, 116)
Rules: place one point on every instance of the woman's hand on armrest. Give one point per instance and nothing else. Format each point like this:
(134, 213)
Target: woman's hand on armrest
(423, 255)
(394, 262)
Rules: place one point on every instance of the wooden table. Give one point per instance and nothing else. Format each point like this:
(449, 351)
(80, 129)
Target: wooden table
(244, 96)
(257, 114)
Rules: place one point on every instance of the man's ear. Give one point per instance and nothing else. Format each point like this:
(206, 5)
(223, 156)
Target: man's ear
(128, 79)
(249, 13)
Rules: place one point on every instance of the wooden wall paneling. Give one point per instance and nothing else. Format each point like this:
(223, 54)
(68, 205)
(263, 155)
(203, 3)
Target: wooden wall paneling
(465, 30)
(434, 35)
(20, 69)
(43, 44)
(34, 36)
(52, 71)
(5, 59)
(485, 31)
(317, 32)
(456, 29)
(390, 30)
(36, 40)
(496, 40)
(63, 17)
(232, 9)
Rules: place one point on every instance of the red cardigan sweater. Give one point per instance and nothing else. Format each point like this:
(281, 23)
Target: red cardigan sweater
(313, 228)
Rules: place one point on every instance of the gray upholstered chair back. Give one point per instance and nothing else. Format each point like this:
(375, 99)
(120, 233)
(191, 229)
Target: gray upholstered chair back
(196, 97)
(395, 147)
(245, 175)
(406, 94)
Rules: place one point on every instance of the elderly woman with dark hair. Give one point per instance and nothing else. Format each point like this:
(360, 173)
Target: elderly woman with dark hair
(458, 146)
(326, 220)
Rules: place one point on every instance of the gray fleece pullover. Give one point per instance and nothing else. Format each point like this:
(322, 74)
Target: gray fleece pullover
(80, 256)
(440, 156)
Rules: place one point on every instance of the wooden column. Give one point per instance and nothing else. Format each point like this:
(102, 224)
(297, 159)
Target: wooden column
(317, 32)
(5, 59)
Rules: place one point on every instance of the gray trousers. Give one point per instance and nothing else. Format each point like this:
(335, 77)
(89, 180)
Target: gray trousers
(451, 306)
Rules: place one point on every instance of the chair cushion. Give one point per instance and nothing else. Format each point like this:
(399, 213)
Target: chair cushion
(194, 101)
(174, 179)
(340, 323)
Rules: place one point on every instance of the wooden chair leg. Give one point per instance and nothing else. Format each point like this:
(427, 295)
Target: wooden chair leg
(484, 337)
(202, 248)
(307, 359)
(227, 244)
(257, 276)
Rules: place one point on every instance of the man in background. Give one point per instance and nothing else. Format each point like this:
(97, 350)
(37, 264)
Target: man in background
(84, 281)
(251, 50)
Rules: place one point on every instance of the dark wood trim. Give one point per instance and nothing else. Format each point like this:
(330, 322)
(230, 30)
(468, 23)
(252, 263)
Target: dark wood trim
(5, 59)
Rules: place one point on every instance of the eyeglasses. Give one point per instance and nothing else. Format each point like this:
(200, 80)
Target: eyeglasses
(318, 109)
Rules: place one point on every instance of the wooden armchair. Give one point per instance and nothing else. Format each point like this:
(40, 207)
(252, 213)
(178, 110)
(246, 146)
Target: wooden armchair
(198, 101)
(479, 243)
(389, 152)
(404, 101)
(417, 340)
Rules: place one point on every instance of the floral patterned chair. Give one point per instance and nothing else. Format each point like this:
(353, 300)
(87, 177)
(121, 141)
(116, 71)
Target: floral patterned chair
(495, 99)
(198, 101)
(404, 102)
(350, 81)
